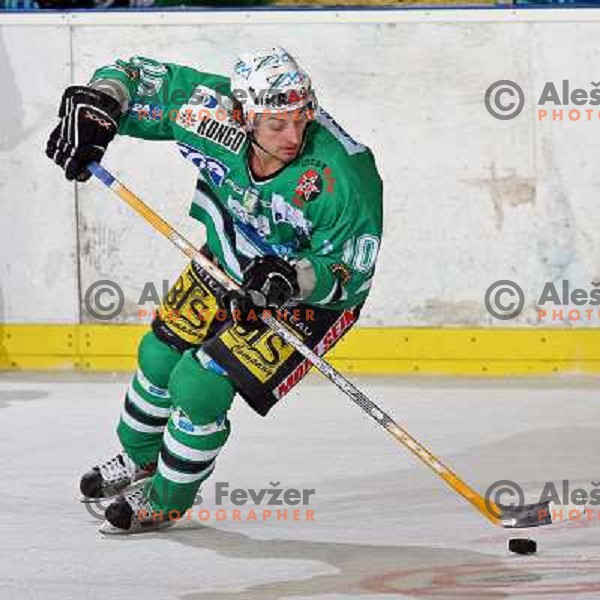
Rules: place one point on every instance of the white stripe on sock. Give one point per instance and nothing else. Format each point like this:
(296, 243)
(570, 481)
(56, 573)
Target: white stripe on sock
(147, 407)
(178, 477)
(182, 451)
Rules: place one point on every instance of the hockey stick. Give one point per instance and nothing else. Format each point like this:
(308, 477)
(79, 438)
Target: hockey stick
(528, 515)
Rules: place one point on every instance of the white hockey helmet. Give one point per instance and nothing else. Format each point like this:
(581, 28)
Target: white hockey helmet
(271, 80)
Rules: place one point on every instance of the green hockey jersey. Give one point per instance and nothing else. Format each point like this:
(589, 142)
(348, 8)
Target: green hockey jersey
(325, 206)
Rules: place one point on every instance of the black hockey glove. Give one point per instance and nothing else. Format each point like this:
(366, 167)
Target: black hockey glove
(269, 283)
(88, 122)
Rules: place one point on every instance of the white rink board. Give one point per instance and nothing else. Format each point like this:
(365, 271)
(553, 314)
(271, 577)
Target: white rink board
(38, 272)
(468, 199)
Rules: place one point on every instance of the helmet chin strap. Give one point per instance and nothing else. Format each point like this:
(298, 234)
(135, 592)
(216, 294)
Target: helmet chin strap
(254, 141)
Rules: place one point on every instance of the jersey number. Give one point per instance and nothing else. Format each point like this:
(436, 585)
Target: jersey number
(361, 252)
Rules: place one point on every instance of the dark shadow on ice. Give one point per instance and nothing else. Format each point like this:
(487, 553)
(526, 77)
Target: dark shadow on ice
(412, 570)
(346, 570)
(361, 569)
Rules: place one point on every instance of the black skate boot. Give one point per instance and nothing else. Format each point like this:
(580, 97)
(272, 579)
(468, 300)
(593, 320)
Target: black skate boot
(111, 477)
(132, 513)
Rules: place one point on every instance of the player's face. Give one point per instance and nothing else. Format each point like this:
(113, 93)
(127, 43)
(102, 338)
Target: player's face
(281, 134)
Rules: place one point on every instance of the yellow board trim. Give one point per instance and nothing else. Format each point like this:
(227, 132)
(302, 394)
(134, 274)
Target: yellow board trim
(364, 351)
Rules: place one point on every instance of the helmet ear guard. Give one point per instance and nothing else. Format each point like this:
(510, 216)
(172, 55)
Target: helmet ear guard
(244, 120)
(239, 116)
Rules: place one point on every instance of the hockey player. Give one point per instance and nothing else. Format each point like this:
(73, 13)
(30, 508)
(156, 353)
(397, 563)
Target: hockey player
(292, 207)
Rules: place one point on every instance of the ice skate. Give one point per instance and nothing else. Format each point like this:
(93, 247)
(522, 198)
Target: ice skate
(130, 514)
(112, 477)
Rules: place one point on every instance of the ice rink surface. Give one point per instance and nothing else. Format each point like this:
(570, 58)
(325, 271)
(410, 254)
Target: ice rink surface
(384, 525)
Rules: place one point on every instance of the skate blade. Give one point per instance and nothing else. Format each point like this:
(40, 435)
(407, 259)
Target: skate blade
(122, 492)
(108, 529)
(87, 500)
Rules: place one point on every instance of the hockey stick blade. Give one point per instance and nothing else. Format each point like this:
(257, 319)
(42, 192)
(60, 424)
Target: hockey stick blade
(527, 515)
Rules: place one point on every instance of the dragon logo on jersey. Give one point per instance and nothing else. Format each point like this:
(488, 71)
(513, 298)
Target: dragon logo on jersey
(310, 185)
(251, 200)
(260, 222)
(284, 213)
(217, 171)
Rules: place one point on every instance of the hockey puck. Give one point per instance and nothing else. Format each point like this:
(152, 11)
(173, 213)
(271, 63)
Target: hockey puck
(522, 546)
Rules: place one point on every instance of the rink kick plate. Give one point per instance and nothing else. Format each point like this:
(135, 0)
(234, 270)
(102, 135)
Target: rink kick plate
(365, 351)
